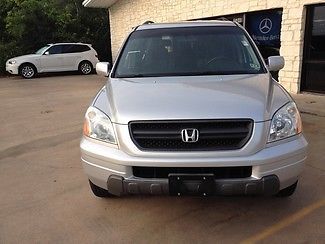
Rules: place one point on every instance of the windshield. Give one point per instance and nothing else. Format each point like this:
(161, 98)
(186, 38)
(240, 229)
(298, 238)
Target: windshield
(187, 51)
(41, 50)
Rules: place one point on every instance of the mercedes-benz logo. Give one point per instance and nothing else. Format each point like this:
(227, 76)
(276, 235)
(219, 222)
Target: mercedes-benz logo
(265, 25)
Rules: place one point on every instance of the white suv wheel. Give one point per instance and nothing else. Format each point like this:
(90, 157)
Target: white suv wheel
(85, 68)
(28, 71)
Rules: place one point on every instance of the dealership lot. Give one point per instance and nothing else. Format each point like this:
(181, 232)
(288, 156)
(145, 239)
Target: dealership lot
(45, 197)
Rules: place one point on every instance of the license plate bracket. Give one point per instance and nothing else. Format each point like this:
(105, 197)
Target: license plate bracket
(191, 184)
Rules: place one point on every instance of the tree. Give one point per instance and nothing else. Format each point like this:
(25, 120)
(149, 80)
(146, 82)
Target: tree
(27, 25)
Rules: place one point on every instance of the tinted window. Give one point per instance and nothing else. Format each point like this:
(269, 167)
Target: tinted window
(57, 49)
(188, 51)
(79, 48)
(66, 48)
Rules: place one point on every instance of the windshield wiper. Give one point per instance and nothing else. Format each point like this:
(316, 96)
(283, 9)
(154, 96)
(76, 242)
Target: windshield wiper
(211, 73)
(174, 74)
(235, 72)
(202, 73)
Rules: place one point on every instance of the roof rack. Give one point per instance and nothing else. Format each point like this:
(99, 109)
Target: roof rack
(148, 22)
(223, 18)
(238, 24)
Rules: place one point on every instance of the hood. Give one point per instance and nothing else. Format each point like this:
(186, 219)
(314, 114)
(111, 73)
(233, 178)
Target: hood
(196, 97)
(23, 57)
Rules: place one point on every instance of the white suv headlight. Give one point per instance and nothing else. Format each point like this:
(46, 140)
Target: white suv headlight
(98, 126)
(12, 61)
(286, 122)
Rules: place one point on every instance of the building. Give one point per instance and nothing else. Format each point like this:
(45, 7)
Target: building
(294, 29)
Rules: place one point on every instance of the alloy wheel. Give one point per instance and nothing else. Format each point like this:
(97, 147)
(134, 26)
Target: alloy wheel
(27, 71)
(85, 68)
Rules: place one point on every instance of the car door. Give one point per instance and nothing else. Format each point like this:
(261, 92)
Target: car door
(72, 56)
(53, 59)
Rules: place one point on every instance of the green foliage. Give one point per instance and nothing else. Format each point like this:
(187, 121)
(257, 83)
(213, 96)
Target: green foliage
(27, 25)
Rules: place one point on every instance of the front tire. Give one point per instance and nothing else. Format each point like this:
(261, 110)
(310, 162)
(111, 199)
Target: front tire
(85, 68)
(98, 191)
(287, 192)
(27, 71)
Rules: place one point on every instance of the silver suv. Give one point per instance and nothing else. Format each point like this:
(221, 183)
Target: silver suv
(191, 108)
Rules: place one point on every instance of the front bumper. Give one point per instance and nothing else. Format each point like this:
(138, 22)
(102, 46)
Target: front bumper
(12, 68)
(273, 168)
(268, 185)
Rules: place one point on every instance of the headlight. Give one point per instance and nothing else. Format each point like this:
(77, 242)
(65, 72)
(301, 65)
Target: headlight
(12, 61)
(286, 122)
(98, 126)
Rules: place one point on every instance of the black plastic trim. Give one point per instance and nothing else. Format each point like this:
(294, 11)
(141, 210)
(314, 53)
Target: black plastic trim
(241, 145)
(267, 186)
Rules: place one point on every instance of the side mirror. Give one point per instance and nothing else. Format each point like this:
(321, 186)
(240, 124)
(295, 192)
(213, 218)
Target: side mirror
(275, 63)
(103, 68)
(47, 53)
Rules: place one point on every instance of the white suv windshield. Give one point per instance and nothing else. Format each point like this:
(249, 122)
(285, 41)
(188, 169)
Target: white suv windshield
(187, 51)
(41, 50)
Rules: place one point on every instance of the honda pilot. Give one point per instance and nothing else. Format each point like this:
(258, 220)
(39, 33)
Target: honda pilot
(192, 109)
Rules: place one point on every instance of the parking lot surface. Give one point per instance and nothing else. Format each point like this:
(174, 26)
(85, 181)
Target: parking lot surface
(45, 198)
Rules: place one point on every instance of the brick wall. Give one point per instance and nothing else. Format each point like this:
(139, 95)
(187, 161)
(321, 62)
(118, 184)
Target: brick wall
(125, 14)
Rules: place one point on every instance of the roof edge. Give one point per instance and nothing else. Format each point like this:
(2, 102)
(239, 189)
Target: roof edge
(195, 23)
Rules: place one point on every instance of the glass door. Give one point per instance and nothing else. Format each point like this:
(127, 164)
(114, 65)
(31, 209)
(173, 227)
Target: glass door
(313, 72)
(265, 28)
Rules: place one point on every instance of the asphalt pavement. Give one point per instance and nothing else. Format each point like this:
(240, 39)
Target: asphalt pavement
(45, 198)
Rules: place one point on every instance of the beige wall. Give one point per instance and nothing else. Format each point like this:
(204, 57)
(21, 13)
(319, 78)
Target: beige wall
(126, 14)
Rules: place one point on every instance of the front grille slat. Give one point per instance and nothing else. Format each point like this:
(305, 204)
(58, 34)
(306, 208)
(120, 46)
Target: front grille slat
(223, 135)
(214, 135)
(155, 132)
(163, 137)
(225, 131)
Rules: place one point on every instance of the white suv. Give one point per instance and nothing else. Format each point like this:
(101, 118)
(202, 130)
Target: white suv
(55, 58)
